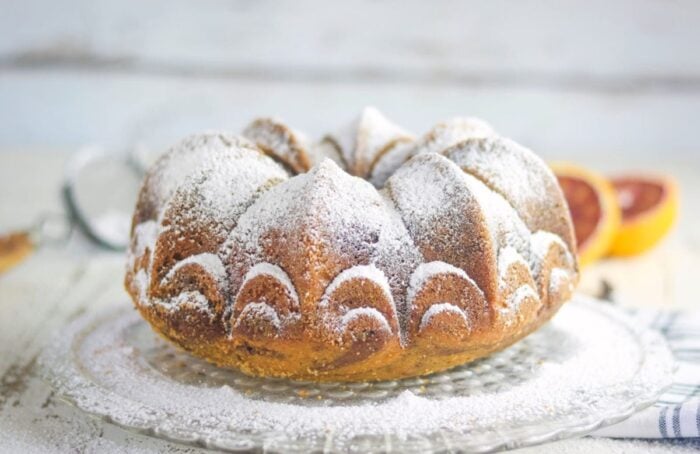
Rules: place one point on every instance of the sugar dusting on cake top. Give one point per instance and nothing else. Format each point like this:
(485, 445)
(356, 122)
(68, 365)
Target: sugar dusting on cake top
(365, 137)
(343, 215)
(333, 224)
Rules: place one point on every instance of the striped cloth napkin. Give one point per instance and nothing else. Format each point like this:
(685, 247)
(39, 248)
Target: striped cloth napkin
(677, 413)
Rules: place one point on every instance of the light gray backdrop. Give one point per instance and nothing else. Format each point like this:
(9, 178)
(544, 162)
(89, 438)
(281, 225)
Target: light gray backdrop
(570, 79)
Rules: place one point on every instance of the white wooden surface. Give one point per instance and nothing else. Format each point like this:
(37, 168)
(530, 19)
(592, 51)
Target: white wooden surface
(567, 78)
(588, 42)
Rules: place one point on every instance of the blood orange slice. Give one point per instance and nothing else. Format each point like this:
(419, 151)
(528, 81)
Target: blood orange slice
(594, 209)
(649, 208)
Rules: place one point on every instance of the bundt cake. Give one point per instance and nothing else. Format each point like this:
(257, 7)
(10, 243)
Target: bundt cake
(368, 255)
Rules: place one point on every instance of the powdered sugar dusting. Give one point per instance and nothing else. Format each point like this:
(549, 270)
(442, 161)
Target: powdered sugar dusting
(466, 197)
(209, 262)
(223, 188)
(186, 158)
(204, 183)
(269, 269)
(447, 133)
(325, 150)
(367, 135)
(519, 176)
(509, 167)
(374, 134)
(259, 310)
(360, 312)
(369, 272)
(389, 162)
(438, 139)
(505, 226)
(190, 298)
(141, 281)
(559, 276)
(345, 139)
(145, 235)
(510, 313)
(431, 191)
(444, 216)
(441, 308)
(507, 257)
(540, 243)
(436, 177)
(519, 295)
(573, 377)
(275, 137)
(427, 271)
(344, 215)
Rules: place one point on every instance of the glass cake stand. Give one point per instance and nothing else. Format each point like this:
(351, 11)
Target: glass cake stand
(589, 367)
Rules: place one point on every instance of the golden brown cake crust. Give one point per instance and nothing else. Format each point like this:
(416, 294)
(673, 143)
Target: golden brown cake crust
(322, 276)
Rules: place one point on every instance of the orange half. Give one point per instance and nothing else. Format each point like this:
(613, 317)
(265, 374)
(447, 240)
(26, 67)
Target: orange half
(593, 207)
(649, 209)
(14, 247)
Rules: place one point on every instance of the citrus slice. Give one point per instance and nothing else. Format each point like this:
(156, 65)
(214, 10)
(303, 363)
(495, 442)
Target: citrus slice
(14, 247)
(649, 208)
(594, 209)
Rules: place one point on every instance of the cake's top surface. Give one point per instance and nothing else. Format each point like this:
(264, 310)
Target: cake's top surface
(367, 229)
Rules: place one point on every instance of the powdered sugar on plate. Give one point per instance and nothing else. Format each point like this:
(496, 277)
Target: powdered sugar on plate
(564, 379)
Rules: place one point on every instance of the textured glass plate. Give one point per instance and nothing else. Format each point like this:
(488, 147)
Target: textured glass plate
(589, 367)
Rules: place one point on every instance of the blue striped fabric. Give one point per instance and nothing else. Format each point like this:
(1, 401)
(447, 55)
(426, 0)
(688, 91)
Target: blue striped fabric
(662, 423)
(677, 413)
